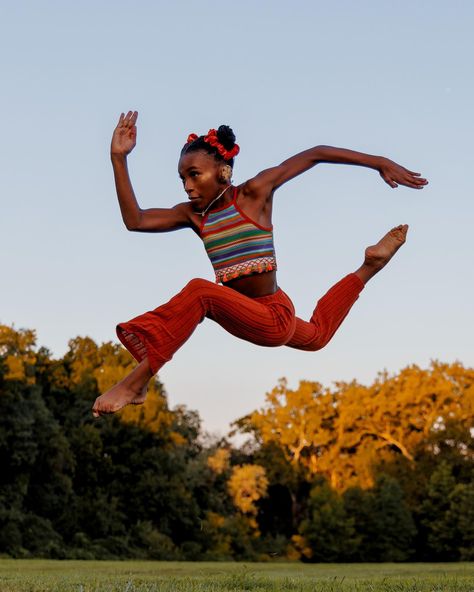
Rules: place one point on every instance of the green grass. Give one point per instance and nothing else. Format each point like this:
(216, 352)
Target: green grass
(154, 576)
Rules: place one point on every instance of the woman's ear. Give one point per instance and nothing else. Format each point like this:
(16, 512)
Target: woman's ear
(225, 173)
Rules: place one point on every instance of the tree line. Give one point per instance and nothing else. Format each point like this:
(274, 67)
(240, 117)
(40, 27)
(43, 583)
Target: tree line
(383, 472)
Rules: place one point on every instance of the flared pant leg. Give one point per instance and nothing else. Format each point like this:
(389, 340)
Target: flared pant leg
(268, 321)
(329, 313)
(158, 334)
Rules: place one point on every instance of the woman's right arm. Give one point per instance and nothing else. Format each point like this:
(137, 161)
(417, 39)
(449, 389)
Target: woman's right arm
(151, 220)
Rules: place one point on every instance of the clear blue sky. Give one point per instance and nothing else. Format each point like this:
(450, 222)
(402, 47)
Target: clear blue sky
(381, 77)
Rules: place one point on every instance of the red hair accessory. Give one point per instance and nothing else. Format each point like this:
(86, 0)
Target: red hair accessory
(211, 139)
(191, 138)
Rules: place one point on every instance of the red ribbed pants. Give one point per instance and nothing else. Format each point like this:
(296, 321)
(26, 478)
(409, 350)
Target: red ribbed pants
(268, 320)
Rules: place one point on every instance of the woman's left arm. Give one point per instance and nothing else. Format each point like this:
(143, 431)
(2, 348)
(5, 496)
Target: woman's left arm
(391, 172)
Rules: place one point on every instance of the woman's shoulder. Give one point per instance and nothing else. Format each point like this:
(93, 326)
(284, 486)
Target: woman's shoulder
(193, 218)
(255, 203)
(257, 188)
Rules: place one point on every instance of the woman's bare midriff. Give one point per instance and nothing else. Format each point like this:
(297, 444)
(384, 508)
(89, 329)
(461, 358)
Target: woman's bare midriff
(254, 286)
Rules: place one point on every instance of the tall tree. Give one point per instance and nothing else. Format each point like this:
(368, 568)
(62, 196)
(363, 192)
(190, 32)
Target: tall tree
(328, 530)
(344, 433)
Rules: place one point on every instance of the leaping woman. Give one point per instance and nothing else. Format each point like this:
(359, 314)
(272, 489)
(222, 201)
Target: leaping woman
(235, 224)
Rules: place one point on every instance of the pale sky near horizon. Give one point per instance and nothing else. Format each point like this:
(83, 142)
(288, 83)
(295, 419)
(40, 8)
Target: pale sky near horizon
(385, 78)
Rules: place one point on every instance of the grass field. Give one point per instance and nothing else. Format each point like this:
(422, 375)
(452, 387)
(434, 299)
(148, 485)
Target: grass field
(140, 576)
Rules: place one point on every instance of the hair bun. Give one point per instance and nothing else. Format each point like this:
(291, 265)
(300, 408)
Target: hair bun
(226, 137)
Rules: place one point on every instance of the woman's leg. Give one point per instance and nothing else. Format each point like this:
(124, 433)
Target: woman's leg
(152, 338)
(334, 306)
(329, 313)
(159, 333)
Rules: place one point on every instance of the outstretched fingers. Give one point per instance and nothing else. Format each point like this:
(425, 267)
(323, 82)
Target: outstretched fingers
(130, 119)
(394, 175)
(413, 179)
(404, 177)
(124, 137)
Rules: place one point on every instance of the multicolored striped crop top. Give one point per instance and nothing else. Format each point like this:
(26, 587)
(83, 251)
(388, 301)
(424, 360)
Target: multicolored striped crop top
(237, 246)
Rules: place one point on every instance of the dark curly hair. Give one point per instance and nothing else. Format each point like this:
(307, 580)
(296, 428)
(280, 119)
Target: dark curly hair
(226, 138)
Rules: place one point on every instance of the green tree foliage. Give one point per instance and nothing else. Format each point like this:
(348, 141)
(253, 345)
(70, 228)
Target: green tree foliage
(328, 530)
(383, 520)
(402, 426)
(461, 514)
(136, 484)
(447, 515)
(383, 472)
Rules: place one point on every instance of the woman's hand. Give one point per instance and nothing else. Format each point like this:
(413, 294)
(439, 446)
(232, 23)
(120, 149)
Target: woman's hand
(125, 135)
(394, 175)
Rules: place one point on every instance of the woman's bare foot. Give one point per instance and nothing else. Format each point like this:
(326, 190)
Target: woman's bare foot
(141, 397)
(114, 399)
(129, 391)
(377, 256)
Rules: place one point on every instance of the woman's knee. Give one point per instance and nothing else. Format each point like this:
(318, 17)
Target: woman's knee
(199, 284)
(284, 335)
(311, 345)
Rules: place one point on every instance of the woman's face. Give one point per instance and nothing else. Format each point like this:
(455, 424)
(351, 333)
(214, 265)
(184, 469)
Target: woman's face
(200, 174)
